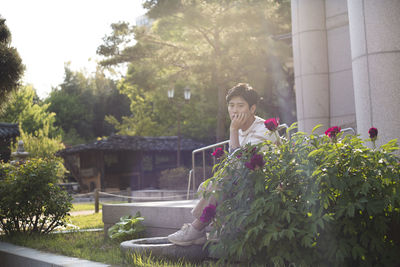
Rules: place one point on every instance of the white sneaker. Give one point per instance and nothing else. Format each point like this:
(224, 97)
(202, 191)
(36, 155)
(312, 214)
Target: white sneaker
(187, 236)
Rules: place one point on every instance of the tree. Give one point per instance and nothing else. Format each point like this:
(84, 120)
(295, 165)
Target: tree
(37, 125)
(109, 102)
(211, 45)
(24, 108)
(11, 68)
(81, 103)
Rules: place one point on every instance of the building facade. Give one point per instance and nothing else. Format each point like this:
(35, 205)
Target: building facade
(346, 57)
(118, 162)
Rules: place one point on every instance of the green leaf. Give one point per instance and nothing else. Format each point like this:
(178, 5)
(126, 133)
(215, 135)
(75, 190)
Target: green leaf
(267, 239)
(320, 223)
(315, 153)
(290, 234)
(316, 127)
(350, 210)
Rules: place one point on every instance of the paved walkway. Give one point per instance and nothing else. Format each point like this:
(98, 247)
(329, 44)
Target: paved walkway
(18, 256)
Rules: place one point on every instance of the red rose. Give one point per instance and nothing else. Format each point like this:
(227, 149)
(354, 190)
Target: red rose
(373, 133)
(208, 213)
(218, 152)
(256, 162)
(272, 124)
(333, 131)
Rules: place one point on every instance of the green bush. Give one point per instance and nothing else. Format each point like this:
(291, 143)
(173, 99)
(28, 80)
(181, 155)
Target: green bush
(315, 202)
(178, 178)
(30, 200)
(128, 227)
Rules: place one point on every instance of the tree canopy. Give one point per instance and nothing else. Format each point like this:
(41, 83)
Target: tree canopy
(41, 137)
(11, 68)
(24, 107)
(81, 103)
(206, 45)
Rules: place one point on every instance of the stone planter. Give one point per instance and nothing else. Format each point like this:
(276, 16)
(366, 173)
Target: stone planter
(161, 247)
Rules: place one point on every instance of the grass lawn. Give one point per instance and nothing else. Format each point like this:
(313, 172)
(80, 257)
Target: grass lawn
(84, 206)
(90, 206)
(92, 246)
(87, 221)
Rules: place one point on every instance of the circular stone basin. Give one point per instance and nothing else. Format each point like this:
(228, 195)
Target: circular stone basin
(160, 246)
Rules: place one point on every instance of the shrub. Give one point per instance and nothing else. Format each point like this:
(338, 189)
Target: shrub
(177, 178)
(39, 145)
(315, 202)
(128, 227)
(30, 201)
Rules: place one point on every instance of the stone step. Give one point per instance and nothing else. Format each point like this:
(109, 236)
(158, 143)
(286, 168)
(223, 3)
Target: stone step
(161, 218)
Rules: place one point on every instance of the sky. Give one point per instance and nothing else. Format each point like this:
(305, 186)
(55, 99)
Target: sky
(50, 33)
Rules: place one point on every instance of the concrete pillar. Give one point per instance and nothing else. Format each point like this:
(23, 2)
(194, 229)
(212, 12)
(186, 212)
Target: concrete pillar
(310, 58)
(375, 52)
(342, 110)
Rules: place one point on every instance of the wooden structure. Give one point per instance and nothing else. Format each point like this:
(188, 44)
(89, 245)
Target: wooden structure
(8, 133)
(119, 162)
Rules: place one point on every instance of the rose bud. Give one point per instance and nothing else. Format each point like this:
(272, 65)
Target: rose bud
(373, 133)
(272, 124)
(333, 131)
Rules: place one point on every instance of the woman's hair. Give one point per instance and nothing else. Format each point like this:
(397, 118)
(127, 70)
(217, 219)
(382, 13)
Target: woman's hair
(245, 91)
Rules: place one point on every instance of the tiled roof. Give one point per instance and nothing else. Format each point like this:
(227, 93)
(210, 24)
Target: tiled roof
(135, 143)
(8, 130)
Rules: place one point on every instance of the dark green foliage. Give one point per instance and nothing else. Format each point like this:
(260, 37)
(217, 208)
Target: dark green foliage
(40, 136)
(314, 203)
(128, 227)
(11, 68)
(33, 116)
(30, 200)
(81, 103)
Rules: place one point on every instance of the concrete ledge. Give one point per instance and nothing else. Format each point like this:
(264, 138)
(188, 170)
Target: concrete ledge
(17, 256)
(160, 218)
(159, 195)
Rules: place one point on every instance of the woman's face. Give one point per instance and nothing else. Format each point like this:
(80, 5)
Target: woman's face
(238, 105)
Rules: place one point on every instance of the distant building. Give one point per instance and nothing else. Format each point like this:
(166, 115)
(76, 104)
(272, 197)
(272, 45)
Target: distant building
(8, 134)
(144, 21)
(119, 162)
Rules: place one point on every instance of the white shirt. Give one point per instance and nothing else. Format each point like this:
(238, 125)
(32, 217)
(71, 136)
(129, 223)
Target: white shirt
(256, 133)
